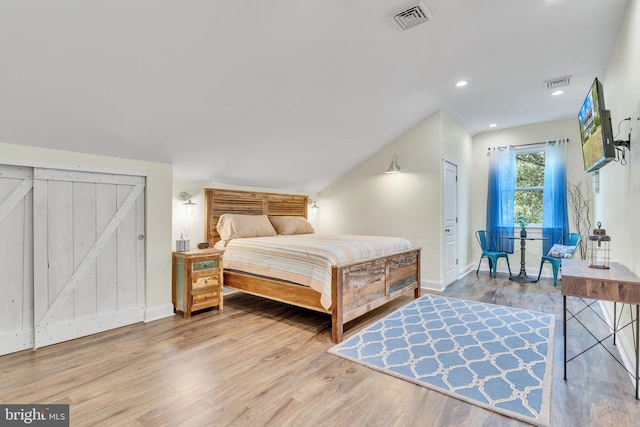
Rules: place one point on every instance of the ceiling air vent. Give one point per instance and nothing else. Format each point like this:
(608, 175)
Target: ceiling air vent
(559, 82)
(412, 16)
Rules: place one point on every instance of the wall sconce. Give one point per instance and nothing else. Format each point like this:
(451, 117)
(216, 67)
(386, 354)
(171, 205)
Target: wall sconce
(189, 205)
(393, 167)
(314, 206)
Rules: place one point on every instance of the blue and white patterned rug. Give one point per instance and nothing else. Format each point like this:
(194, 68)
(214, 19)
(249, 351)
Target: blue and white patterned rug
(493, 356)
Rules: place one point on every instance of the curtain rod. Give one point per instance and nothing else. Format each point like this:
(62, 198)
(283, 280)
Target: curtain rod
(528, 145)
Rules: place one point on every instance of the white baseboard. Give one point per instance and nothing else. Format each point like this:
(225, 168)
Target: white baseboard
(532, 272)
(439, 286)
(432, 285)
(158, 312)
(465, 270)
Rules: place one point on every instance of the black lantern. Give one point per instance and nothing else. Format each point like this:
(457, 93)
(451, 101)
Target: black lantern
(599, 251)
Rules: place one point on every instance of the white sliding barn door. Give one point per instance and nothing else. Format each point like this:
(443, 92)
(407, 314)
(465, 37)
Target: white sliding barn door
(16, 258)
(88, 253)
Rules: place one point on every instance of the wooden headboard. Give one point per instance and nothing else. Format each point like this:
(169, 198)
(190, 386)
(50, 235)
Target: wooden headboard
(218, 202)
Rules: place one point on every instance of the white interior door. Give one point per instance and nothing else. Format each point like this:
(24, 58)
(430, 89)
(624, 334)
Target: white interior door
(450, 216)
(16, 258)
(88, 253)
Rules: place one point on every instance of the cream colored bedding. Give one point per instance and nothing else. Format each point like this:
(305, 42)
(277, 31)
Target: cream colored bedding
(306, 259)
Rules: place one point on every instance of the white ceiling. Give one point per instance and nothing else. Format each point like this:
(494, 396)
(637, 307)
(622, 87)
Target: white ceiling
(284, 94)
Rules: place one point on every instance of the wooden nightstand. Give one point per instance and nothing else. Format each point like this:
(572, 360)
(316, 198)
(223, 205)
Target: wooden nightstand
(197, 280)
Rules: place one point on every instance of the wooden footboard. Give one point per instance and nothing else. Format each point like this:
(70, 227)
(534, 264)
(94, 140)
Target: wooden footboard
(361, 287)
(355, 290)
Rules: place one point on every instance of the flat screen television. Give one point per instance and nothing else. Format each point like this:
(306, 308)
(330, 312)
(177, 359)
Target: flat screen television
(596, 133)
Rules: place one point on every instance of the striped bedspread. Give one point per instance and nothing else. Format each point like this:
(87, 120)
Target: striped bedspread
(306, 259)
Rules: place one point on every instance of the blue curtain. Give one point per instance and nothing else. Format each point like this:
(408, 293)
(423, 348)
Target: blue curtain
(500, 199)
(555, 217)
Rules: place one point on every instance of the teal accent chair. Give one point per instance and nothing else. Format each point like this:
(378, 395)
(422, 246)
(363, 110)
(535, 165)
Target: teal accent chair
(572, 240)
(493, 256)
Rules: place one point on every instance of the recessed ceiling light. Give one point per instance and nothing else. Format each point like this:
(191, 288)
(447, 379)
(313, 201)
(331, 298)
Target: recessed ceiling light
(557, 92)
(492, 125)
(461, 83)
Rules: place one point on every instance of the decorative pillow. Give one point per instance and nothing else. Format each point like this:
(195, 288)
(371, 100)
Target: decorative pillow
(561, 251)
(234, 226)
(291, 225)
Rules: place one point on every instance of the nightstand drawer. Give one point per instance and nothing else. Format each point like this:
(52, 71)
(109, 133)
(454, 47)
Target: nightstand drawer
(206, 265)
(211, 297)
(204, 281)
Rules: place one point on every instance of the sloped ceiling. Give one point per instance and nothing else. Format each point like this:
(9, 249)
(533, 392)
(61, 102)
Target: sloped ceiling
(284, 94)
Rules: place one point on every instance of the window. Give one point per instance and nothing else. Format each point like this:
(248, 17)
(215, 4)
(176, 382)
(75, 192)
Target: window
(531, 182)
(529, 189)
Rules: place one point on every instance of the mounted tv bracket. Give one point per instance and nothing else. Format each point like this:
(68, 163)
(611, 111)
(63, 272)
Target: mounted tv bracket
(625, 144)
(622, 145)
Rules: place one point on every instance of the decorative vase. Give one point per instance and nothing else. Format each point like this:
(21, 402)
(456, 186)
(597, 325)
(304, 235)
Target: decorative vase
(523, 232)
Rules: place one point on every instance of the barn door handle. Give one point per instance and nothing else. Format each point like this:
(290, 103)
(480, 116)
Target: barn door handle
(140, 236)
(446, 230)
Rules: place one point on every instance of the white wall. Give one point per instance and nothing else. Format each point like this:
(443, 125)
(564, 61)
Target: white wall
(520, 135)
(409, 205)
(192, 227)
(159, 178)
(618, 202)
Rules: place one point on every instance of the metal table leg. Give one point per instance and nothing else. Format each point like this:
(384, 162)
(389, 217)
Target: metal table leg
(637, 345)
(564, 332)
(614, 322)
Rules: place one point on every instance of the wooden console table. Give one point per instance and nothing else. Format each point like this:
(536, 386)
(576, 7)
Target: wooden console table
(616, 284)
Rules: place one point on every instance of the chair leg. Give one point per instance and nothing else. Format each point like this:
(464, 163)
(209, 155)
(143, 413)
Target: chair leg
(479, 262)
(540, 272)
(495, 266)
(508, 266)
(555, 275)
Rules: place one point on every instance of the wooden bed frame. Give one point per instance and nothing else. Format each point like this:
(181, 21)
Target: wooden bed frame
(356, 288)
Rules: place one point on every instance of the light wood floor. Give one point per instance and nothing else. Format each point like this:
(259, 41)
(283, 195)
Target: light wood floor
(265, 363)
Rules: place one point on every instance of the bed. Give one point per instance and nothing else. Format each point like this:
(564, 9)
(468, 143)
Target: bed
(356, 287)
